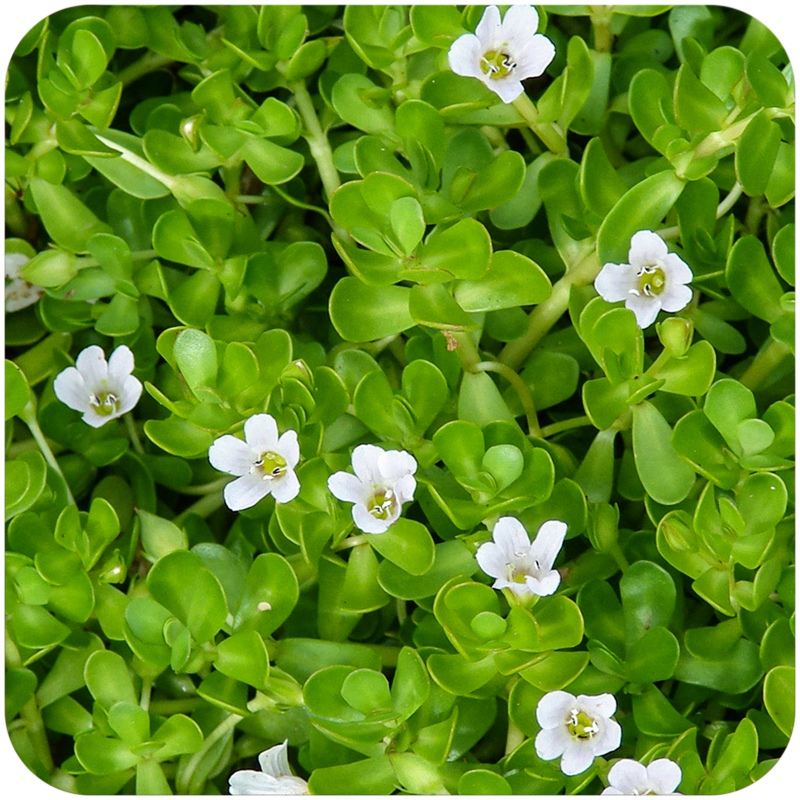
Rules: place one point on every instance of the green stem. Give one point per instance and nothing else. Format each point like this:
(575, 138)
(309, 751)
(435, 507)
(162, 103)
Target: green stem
(147, 688)
(352, 541)
(546, 314)
(465, 348)
(166, 708)
(764, 364)
(601, 25)
(615, 551)
(204, 507)
(145, 65)
(725, 205)
(565, 425)
(549, 132)
(205, 488)
(520, 387)
(317, 140)
(133, 434)
(28, 416)
(184, 783)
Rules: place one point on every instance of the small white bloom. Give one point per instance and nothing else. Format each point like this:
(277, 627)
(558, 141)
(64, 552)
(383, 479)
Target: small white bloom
(629, 777)
(502, 54)
(576, 728)
(19, 293)
(101, 390)
(275, 776)
(383, 481)
(263, 463)
(524, 567)
(654, 279)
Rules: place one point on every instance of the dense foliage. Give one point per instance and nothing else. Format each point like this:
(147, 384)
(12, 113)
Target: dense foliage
(364, 285)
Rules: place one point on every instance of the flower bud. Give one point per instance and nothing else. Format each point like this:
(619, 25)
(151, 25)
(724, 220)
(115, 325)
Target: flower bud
(677, 531)
(675, 334)
(603, 528)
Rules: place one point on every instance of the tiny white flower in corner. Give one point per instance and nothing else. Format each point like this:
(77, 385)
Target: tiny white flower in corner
(275, 776)
(502, 54)
(383, 481)
(524, 567)
(101, 390)
(263, 463)
(576, 728)
(654, 279)
(19, 293)
(629, 777)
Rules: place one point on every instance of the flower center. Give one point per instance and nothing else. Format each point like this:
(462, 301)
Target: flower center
(270, 465)
(497, 64)
(382, 504)
(580, 725)
(651, 282)
(523, 566)
(104, 404)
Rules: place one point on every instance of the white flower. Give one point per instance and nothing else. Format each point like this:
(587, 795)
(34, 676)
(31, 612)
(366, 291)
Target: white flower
(19, 293)
(101, 390)
(629, 777)
(263, 463)
(275, 776)
(654, 279)
(524, 567)
(502, 54)
(384, 480)
(576, 728)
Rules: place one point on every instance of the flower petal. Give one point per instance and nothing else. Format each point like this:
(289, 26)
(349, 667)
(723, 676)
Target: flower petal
(553, 709)
(245, 492)
(629, 776)
(275, 760)
(535, 57)
(598, 705)
(396, 464)
(645, 308)
(545, 586)
(664, 776)
(91, 363)
(14, 263)
(520, 20)
(70, 389)
(489, 27)
(578, 757)
(676, 269)
(615, 281)
(675, 297)
(91, 417)
(286, 488)
(349, 488)
(465, 56)
(547, 544)
(365, 462)
(129, 393)
(609, 737)
(647, 249)
(289, 448)
(261, 433)
(551, 742)
(511, 537)
(508, 89)
(367, 523)
(404, 489)
(492, 559)
(231, 455)
(120, 365)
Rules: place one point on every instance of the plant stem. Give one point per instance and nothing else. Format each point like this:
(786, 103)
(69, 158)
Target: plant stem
(145, 65)
(134, 434)
(466, 349)
(547, 313)
(726, 204)
(565, 425)
(204, 507)
(28, 416)
(520, 387)
(184, 783)
(549, 132)
(317, 140)
(205, 488)
(601, 25)
(147, 688)
(166, 708)
(764, 364)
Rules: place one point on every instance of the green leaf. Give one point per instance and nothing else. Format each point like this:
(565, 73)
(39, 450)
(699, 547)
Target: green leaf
(196, 357)
(407, 544)
(648, 599)
(666, 477)
(697, 108)
(434, 307)
(752, 280)
(18, 394)
(642, 207)
(362, 313)
(243, 656)
(108, 679)
(779, 697)
(756, 153)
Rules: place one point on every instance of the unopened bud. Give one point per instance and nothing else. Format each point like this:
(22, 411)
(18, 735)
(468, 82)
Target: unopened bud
(603, 528)
(677, 532)
(676, 334)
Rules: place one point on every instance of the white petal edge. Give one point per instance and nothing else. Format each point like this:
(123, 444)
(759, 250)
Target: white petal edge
(603, 705)
(577, 758)
(347, 487)
(491, 559)
(365, 462)
(511, 537)
(231, 455)
(535, 58)
(130, 392)
(647, 248)
(507, 89)
(245, 492)
(548, 542)
(644, 308)
(545, 586)
(70, 389)
(551, 743)
(289, 448)
(615, 281)
(120, 365)
(286, 488)
(91, 363)
(628, 776)
(490, 26)
(675, 297)
(367, 523)
(275, 760)
(261, 433)
(664, 775)
(465, 55)
(553, 708)
(676, 269)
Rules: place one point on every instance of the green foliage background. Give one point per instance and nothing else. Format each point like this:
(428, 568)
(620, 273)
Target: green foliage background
(304, 211)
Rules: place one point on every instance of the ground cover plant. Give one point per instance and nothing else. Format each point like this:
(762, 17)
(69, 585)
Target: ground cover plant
(399, 399)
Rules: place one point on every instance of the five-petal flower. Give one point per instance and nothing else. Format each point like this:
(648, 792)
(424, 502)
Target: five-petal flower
(576, 728)
(275, 776)
(101, 390)
(524, 567)
(629, 777)
(383, 481)
(264, 463)
(502, 54)
(654, 279)
(19, 292)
